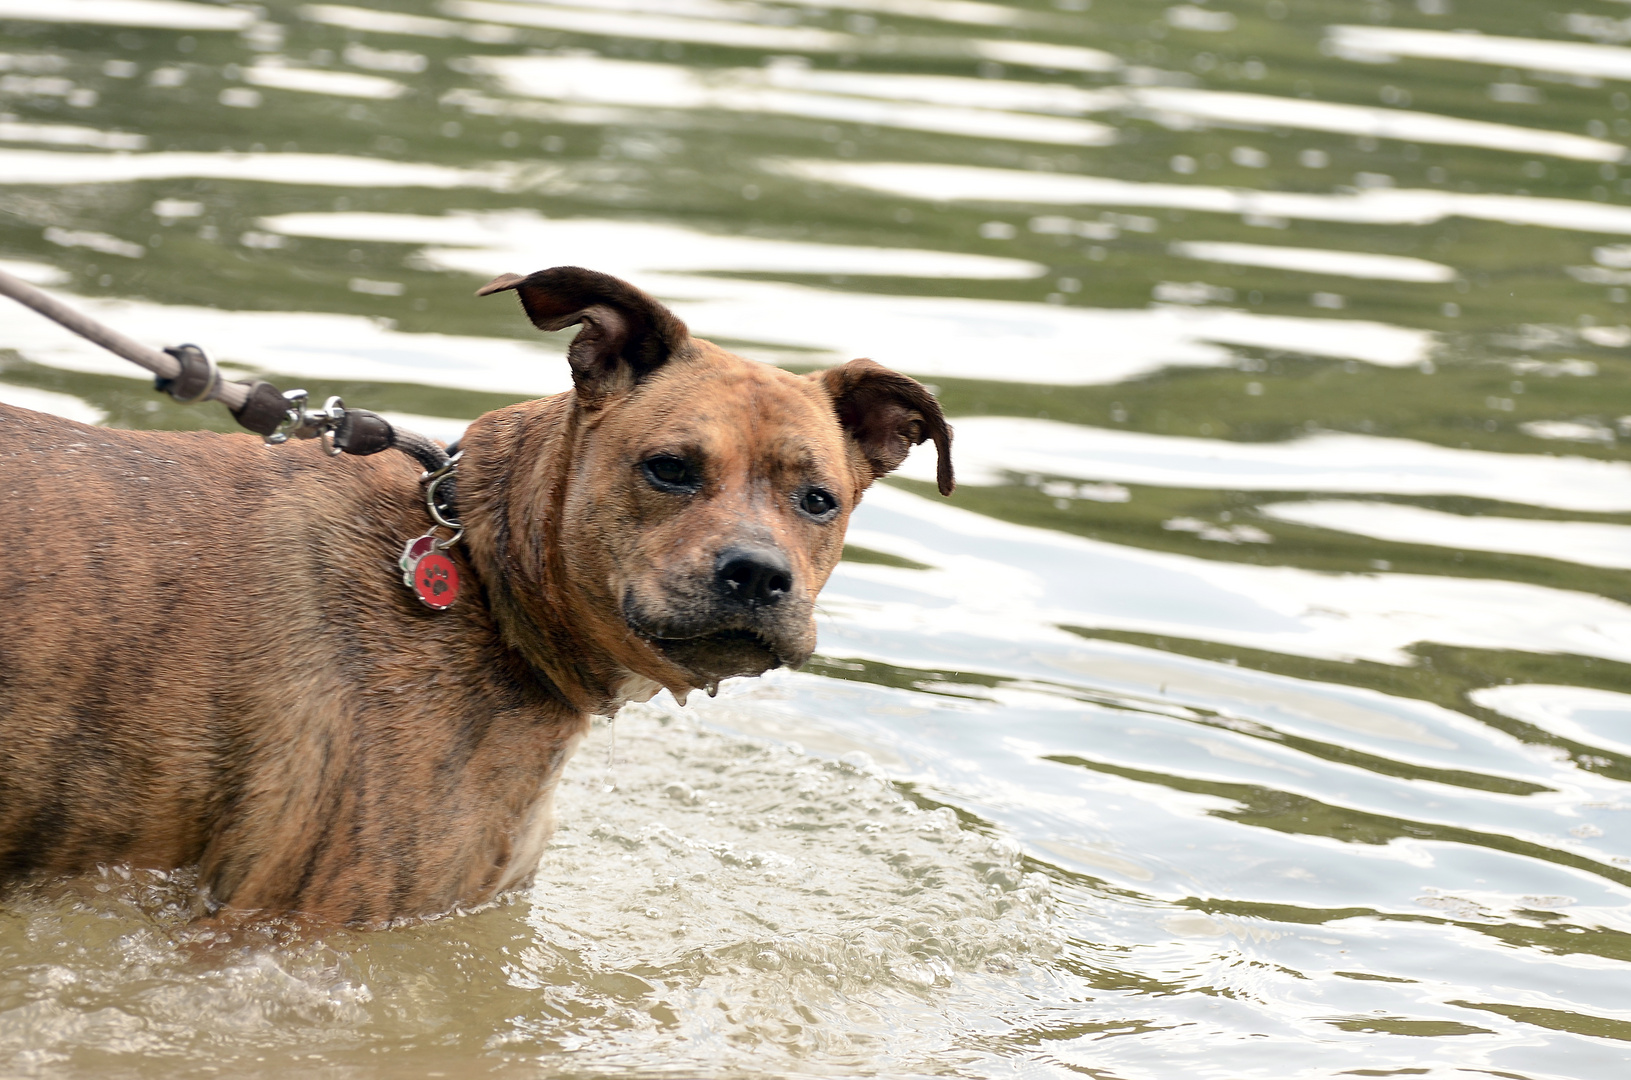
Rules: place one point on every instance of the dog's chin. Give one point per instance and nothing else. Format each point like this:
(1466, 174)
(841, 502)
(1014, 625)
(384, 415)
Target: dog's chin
(708, 658)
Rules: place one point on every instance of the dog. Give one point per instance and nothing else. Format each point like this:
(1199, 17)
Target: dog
(209, 657)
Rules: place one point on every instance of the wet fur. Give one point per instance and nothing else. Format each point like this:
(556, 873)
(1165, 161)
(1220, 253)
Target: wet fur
(209, 657)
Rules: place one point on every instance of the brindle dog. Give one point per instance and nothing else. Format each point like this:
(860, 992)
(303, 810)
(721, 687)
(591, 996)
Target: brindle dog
(209, 657)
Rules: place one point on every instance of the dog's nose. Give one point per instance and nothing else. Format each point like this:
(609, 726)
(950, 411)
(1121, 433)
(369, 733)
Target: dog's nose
(755, 576)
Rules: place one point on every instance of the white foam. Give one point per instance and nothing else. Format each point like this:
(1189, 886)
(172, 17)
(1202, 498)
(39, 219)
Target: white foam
(35, 273)
(1003, 94)
(332, 170)
(1353, 264)
(1268, 111)
(624, 83)
(743, 11)
(989, 448)
(1190, 17)
(1375, 206)
(273, 74)
(966, 12)
(390, 22)
(96, 241)
(49, 401)
(741, 33)
(70, 135)
(955, 11)
(1586, 542)
(1527, 54)
(165, 14)
(1044, 56)
(1568, 431)
(653, 26)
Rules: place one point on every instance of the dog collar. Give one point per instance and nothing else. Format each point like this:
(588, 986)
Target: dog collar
(427, 570)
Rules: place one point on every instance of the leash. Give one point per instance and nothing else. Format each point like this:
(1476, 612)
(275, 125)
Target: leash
(189, 376)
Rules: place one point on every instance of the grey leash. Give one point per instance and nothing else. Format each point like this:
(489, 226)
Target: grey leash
(189, 376)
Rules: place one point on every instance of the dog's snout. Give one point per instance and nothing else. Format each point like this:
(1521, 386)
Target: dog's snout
(754, 576)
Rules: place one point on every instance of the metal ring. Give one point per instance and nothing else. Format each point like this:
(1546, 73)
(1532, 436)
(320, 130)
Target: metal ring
(333, 416)
(293, 416)
(434, 510)
(435, 481)
(442, 470)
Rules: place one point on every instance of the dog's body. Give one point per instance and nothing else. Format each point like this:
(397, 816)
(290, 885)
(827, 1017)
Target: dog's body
(209, 656)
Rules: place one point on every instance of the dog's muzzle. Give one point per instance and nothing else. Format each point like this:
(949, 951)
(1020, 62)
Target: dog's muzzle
(748, 619)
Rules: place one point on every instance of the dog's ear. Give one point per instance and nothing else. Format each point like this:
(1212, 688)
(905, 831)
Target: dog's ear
(626, 334)
(887, 414)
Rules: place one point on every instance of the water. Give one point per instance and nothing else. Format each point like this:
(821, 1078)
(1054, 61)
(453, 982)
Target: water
(1259, 706)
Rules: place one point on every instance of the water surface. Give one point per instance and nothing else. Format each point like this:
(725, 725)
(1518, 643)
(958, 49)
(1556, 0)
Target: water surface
(1259, 706)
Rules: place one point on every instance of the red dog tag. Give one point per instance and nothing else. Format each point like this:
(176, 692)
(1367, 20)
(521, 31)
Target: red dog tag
(436, 580)
(416, 549)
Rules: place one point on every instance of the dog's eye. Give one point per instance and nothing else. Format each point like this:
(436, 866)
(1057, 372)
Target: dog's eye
(666, 472)
(818, 504)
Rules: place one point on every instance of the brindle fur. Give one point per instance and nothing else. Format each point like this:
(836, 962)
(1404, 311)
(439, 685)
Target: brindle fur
(209, 657)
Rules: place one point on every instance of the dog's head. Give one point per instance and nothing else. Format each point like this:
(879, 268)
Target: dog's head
(695, 501)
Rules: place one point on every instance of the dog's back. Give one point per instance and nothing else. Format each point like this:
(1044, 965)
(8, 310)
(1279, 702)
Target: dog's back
(207, 655)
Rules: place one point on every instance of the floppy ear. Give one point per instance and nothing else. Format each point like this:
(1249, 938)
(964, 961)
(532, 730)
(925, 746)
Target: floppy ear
(887, 414)
(626, 334)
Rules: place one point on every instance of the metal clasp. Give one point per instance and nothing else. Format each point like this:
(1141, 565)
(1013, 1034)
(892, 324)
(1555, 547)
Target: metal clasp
(300, 422)
(437, 511)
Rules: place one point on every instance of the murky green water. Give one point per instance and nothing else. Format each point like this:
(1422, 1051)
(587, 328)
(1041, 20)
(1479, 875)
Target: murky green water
(1260, 705)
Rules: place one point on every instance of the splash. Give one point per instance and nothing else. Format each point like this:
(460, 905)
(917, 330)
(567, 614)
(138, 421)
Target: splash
(729, 900)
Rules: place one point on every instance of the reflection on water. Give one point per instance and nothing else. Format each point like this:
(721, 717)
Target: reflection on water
(1261, 705)
(1572, 541)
